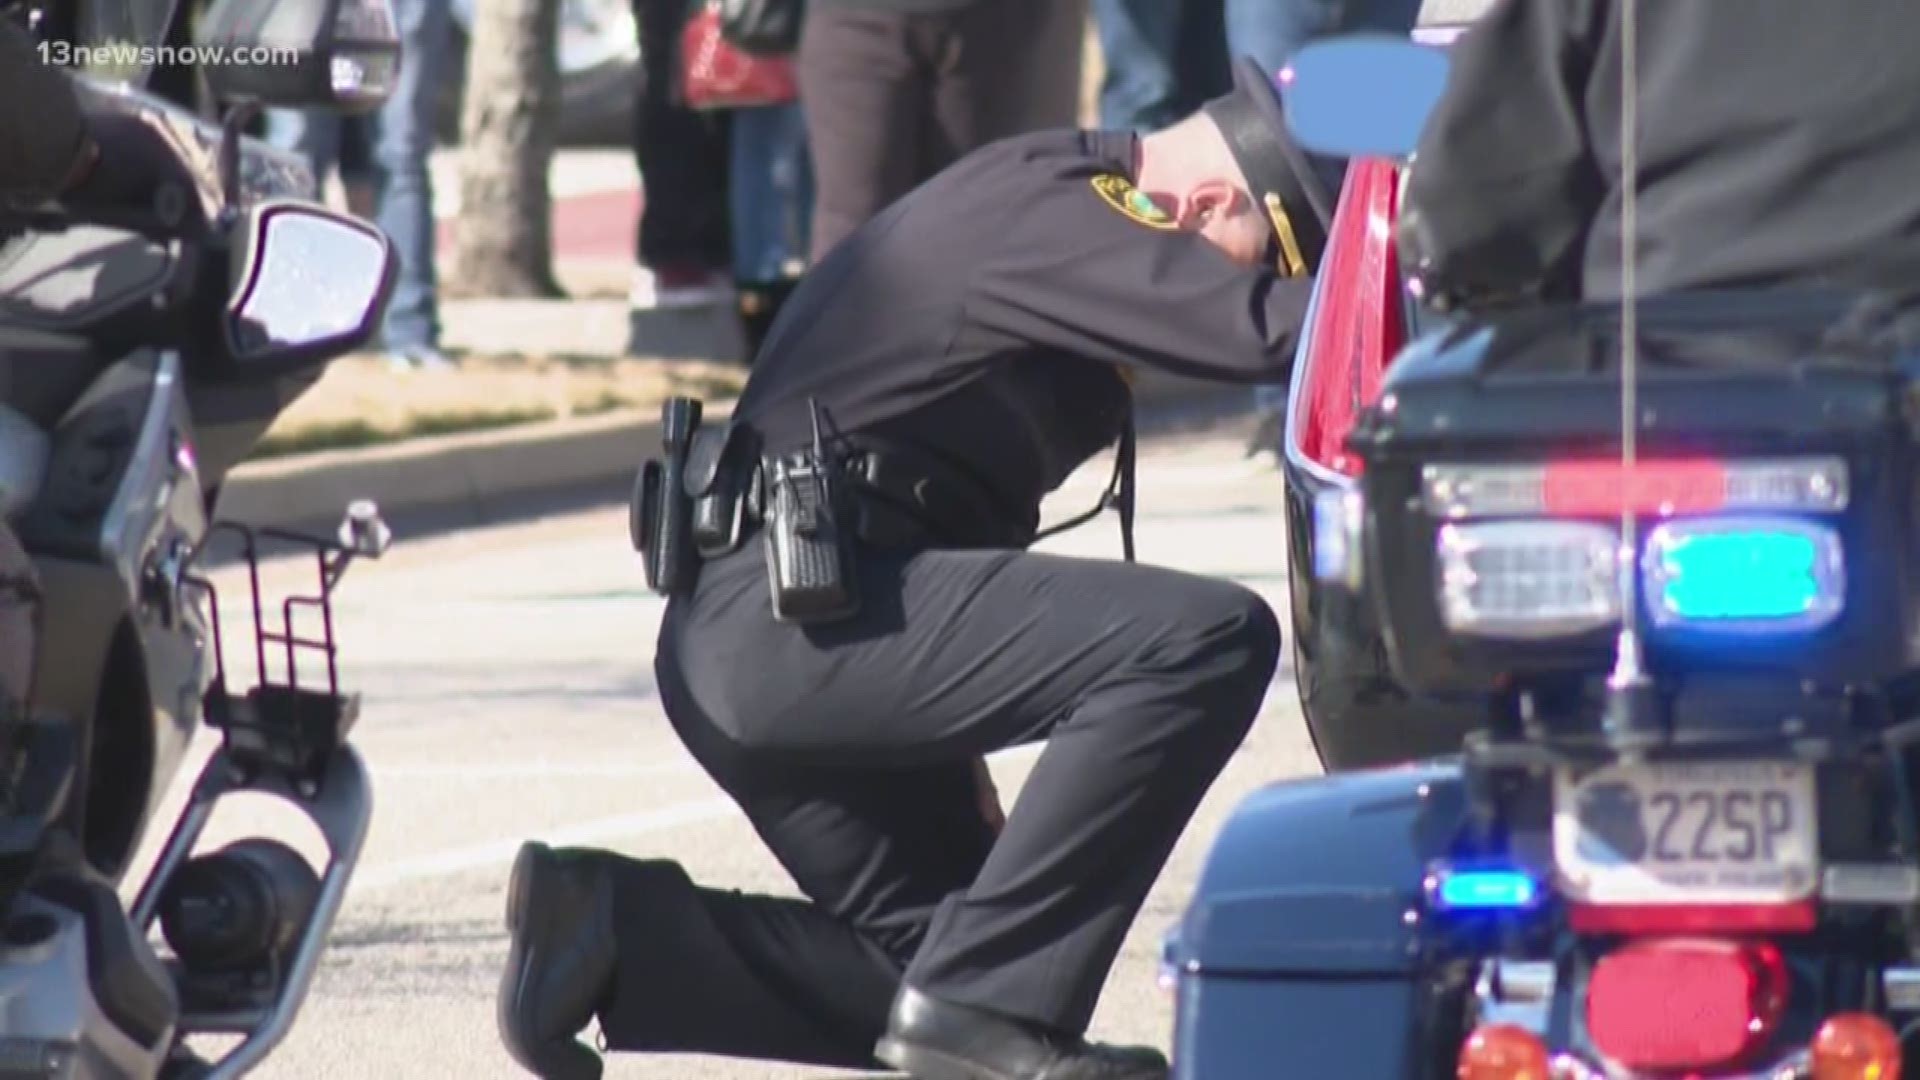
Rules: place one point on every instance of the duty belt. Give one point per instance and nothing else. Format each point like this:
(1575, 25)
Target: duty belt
(903, 496)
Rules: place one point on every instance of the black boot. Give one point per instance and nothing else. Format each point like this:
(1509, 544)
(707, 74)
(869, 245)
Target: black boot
(760, 304)
(561, 963)
(930, 1039)
(1267, 433)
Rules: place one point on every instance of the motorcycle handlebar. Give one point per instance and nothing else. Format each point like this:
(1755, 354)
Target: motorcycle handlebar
(168, 220)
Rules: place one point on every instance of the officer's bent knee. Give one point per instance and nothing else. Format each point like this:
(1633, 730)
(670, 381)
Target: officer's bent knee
(1257, 637)
(1224, 622)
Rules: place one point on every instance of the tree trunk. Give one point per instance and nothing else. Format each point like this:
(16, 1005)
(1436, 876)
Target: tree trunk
(503, 239)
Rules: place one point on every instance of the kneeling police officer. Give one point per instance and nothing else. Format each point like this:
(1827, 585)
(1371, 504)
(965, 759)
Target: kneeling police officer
(863, 624)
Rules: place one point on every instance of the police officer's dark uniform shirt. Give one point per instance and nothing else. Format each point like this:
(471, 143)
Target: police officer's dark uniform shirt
(1779, 141)
(986, 316)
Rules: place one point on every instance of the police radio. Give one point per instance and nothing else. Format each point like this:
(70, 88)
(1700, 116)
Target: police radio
(809, 541)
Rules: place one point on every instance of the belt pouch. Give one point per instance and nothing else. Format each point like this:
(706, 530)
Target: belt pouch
(719, 470)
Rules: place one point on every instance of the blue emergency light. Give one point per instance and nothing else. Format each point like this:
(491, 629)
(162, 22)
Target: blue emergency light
(1761, 575)
(1483, 889)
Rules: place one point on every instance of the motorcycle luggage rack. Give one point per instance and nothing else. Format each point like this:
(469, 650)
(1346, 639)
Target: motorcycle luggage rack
(279, 725)
(281, 739)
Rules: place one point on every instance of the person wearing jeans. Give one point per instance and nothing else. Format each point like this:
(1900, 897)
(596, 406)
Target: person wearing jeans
(1164, 58)
(1271, 31)
(331, 142)
(403, 143)
(401, 137)
(772, 207)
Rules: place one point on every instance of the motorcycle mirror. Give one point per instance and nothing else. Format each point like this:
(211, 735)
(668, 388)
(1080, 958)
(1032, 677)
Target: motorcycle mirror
(1362, 95)
(308, 284)
(338, 54)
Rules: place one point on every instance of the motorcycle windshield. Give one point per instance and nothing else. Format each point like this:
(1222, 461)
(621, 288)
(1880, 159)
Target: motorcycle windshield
(121, 41)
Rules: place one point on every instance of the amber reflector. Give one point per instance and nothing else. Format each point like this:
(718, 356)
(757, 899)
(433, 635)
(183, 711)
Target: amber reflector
(1856, 1046)
(1503, 1052)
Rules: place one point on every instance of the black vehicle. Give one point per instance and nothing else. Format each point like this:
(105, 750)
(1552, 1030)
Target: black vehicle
(141, 356)
(1358, 712)
(1683, 839)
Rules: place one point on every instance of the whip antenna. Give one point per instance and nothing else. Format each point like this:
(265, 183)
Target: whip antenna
(1630, 718)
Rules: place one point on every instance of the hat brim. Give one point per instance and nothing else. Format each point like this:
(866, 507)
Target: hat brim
(1279, 175)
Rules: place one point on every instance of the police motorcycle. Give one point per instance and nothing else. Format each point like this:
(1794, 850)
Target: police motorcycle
(1667, 548)
(141, 356)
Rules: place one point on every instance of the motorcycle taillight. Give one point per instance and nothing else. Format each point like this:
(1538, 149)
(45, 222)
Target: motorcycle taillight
(1685, 1003)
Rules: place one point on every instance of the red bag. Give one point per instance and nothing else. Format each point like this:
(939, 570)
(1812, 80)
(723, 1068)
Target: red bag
(716, 75)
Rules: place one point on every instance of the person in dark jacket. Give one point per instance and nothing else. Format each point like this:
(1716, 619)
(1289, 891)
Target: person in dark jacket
(683, 301)
(1779, 141)
(980, 334)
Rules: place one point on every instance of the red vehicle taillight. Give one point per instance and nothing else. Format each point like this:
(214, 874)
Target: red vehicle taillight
(1577, 488)
(1357, 323)
(1685, 1003)
(1796, 918)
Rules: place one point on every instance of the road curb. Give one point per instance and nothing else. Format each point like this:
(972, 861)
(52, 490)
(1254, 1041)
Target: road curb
(481, 474)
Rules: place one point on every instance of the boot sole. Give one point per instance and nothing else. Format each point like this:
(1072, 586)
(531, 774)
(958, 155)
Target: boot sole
(923, 1064)
(554, 1059)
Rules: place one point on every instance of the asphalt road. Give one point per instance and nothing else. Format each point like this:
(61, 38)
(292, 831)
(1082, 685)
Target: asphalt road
(508, 685)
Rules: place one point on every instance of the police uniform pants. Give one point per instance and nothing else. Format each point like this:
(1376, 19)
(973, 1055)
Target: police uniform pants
(850, 746)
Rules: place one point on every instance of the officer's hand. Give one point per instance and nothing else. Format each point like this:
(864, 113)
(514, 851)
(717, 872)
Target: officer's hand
(989, 796)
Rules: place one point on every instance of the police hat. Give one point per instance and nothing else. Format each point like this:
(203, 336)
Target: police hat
(1280, 175)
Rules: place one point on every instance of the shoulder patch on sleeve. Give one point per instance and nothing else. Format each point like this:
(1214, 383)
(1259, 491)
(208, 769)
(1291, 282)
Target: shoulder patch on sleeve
(1118, 192)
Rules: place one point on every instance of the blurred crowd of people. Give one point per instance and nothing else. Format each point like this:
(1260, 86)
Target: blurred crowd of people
(381, 161)
(739, 201)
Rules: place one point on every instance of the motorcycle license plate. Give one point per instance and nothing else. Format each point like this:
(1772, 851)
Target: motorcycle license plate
(1741, 832)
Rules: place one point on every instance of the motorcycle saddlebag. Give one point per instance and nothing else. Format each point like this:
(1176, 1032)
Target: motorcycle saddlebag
(1516, 420)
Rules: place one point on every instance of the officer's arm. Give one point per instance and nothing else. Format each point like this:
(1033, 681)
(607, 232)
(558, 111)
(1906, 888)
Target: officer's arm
(1503, 186)
(44, 143)
(1076, 275)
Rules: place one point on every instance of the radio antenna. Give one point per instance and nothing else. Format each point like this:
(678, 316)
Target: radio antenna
(1630, 718)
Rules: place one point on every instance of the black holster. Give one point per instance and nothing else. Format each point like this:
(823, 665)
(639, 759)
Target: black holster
(662, 516)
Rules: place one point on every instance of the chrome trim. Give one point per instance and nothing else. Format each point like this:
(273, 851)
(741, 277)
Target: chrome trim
(1515, 992)
(134, 519)
(1870, 883)
(1290, 441)
(1902, 987)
